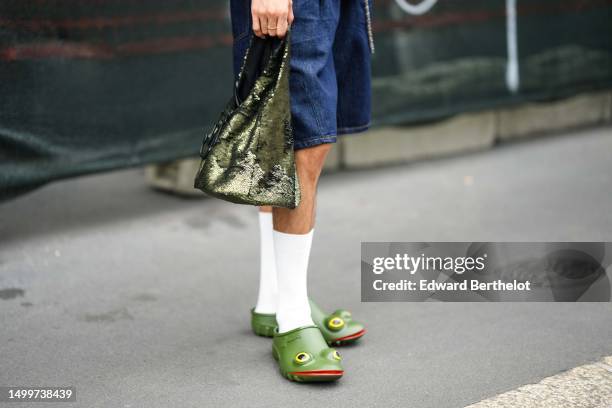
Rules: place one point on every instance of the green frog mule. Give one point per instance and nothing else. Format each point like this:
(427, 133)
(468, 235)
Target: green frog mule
(338, 328)
(303, 355)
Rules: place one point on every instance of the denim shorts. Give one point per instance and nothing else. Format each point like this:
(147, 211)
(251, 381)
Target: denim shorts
(330, 66)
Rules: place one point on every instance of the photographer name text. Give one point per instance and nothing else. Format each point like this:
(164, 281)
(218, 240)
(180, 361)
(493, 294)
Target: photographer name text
(451, 265)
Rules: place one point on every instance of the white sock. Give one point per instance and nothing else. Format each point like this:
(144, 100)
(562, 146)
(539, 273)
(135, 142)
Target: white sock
(292, 252)
(268, 290)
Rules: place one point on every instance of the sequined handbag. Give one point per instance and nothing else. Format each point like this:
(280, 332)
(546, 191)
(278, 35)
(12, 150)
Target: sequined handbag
(248, 156)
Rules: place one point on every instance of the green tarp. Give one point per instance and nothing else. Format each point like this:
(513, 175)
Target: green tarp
(91, 85)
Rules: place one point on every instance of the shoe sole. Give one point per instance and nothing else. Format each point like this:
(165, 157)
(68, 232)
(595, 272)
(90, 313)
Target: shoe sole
(264, 331)
(346, 340)
(315, 376)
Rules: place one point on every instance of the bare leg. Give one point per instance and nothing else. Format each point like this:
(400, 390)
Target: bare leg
(301, 220)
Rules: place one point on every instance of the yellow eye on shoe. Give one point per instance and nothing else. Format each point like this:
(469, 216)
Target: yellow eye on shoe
(302, 357)
(336, 355)
(335, 323)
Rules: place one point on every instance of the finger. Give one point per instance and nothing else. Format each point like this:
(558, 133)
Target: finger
(263, 22)
(290, 16)
(273, 26)
(282, 27)
(256, 26)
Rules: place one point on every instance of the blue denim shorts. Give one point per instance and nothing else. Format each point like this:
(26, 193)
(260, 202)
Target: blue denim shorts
(330, 66)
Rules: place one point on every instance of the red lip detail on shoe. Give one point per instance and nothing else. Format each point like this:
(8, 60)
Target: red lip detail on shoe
(352, 336)
(318, 373)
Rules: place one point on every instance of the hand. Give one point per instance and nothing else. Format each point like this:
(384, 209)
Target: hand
(271, 17)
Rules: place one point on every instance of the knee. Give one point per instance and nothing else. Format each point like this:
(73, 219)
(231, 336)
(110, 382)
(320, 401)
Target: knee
(310, 161)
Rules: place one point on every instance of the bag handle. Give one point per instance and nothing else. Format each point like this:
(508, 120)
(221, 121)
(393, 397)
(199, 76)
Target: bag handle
(260, 51)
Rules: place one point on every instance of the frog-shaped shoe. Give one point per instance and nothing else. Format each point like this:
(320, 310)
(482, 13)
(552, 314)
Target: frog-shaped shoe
(303, 355)
(337, 328)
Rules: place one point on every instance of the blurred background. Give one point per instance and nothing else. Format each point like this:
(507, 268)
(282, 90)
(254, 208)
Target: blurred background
(138, 297)
(93, 85)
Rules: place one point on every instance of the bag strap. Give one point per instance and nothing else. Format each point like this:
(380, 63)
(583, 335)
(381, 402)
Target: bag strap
(258, 55)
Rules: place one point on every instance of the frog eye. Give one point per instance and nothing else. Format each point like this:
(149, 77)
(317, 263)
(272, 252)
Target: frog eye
(336, 355)
(335, 323)
(302, 357)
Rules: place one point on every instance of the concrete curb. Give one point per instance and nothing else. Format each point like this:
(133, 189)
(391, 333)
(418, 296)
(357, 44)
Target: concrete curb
(537, 118)
(175, 177)
(587, 386)
(467, 132)
(473, 131)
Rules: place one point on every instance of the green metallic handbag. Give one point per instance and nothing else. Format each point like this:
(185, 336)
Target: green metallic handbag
(248, 156)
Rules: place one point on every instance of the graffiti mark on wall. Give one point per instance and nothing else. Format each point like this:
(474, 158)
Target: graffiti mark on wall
(416, 9)
(512, 64)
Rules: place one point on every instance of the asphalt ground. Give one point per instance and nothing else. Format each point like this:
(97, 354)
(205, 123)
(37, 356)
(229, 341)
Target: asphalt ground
(141, 299)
